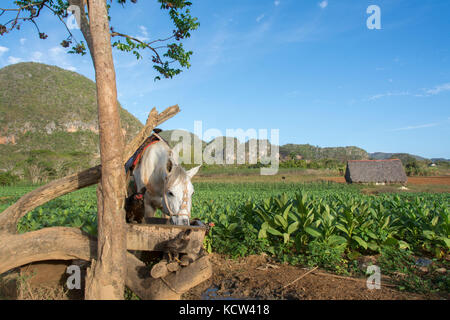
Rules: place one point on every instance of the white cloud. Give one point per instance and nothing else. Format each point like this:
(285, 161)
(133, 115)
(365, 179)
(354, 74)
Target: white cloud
(58, 56)
(323, 4)
(428, 125)
(388, 94)
(425, 92)
(144, 34)
(3, 50)
(259, 18)
(55, 52)
(439, 89)
(14, 60)
(277, 3)
(36, 56)
(22, 41)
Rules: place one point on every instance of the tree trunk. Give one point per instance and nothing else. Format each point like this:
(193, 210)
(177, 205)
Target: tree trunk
(106, 277)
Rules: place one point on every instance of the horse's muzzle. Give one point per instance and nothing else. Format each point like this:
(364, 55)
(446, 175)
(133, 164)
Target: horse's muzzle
(180, 220)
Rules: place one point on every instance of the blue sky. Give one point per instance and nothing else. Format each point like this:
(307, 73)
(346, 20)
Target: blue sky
(311, 69)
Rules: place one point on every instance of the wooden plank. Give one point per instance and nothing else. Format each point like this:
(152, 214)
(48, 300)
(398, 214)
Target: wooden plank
(156, 237)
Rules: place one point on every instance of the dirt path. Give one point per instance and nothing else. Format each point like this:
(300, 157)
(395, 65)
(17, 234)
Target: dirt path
(256, 278)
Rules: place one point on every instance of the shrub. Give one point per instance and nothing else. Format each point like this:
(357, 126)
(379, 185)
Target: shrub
(7, 179)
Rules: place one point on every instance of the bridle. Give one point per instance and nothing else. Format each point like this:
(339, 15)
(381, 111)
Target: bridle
(184, 204)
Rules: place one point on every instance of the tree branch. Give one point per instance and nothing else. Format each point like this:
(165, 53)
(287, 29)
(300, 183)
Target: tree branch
(57, 243)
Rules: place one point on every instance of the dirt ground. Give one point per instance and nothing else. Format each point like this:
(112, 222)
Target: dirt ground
(255, 277)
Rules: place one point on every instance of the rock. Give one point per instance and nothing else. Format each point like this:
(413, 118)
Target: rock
(424, 269)
(441, 270)
(423, 262)
(185, 261)
(159, 270)
(366, 261)
(173, 267)
(400, 275)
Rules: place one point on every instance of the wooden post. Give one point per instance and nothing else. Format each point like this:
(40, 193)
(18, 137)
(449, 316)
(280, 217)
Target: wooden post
(106, 277)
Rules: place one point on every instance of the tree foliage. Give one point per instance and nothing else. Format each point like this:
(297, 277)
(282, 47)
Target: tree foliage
(168, 54)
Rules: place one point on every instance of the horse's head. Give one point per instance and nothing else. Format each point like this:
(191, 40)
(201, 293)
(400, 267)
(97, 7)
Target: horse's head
(178, 191)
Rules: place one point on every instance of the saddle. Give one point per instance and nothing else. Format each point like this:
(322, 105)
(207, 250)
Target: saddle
(136, 157)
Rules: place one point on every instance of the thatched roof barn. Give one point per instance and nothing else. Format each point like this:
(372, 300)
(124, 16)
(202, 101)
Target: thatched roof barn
(375, 171)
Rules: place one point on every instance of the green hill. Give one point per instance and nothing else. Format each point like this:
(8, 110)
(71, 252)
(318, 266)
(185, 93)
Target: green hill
(310, 152)
(48, 121)
(384, 156)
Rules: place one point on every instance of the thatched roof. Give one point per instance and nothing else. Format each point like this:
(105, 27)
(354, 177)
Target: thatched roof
(375, 171)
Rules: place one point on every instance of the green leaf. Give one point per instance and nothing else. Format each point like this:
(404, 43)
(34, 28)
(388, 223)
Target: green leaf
(313, 232)
(435, 221)
(293, 227)
(286, 237)
(286, 211)
(373, 246)
(262, 234)
(274, 231)
(342, 228)
(372, 235)
(403, 245)
(361, 242)
(430, 235)
(279, 220)
(446, 241)
(390, 242)
(336, 240)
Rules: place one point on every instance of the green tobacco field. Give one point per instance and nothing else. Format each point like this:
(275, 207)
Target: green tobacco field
(317, 223)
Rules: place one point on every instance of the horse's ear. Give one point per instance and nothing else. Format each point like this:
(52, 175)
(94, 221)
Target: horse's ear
(169, 165)
(191, 173)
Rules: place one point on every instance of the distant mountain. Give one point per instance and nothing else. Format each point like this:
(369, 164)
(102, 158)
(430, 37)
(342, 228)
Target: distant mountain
(173, 137)
(440, 159)
(49, 122)
(225, 148)
(310, 152)
(384, 156)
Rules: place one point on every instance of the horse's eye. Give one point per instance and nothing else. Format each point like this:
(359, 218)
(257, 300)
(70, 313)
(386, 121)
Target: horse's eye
(170, 193)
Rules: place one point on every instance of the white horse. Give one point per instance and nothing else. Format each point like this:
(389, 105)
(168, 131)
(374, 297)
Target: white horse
(168, 185)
